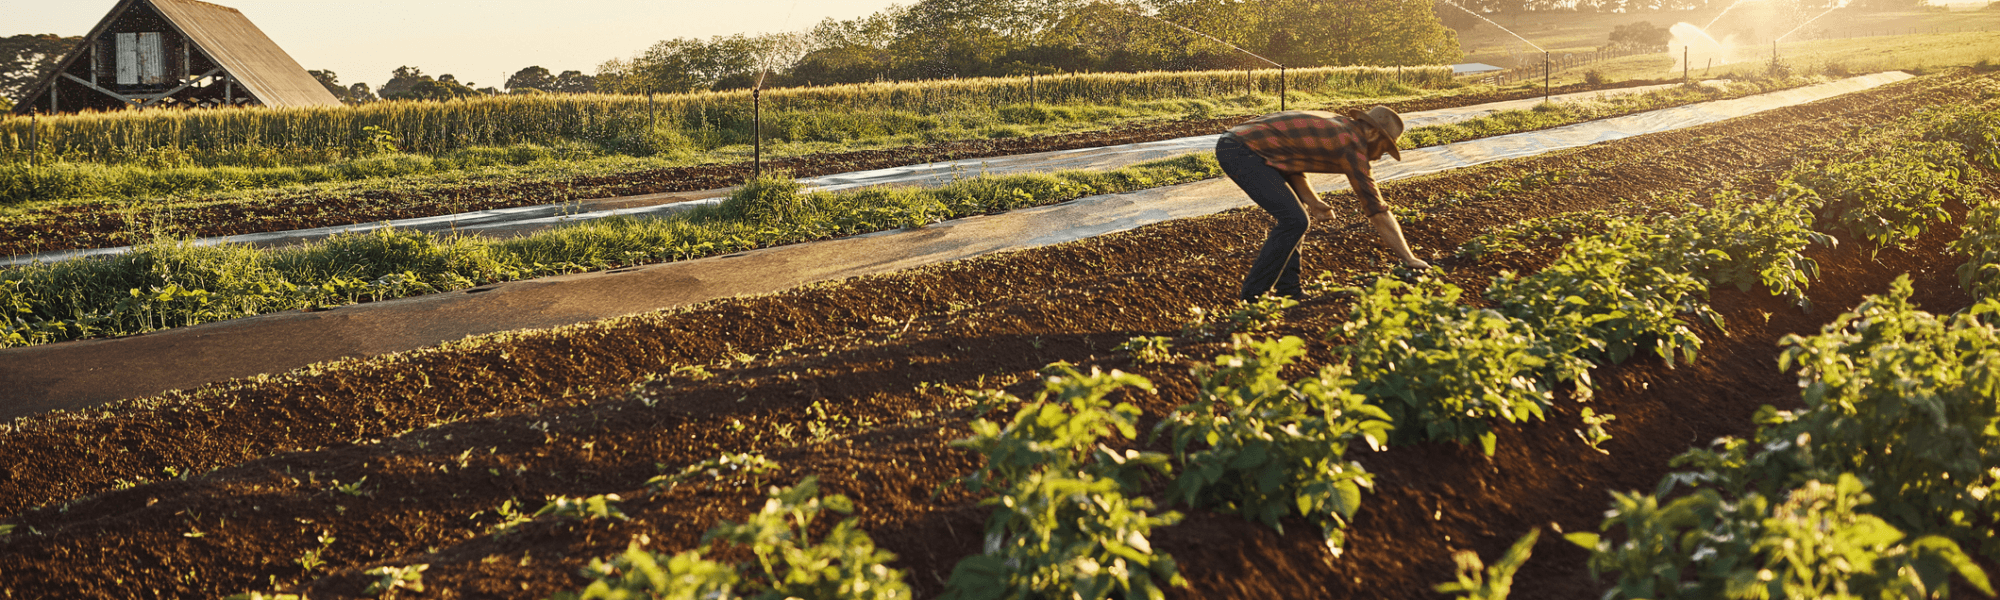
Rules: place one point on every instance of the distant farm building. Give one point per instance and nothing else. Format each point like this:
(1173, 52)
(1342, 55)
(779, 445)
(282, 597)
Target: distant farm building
(174, 54)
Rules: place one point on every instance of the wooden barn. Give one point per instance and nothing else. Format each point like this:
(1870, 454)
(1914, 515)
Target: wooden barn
(174, 54)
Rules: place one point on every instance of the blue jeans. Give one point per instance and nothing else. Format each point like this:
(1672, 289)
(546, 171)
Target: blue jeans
(1277, 266)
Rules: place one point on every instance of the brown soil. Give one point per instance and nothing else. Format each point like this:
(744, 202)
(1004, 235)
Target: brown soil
(99, 224)
(445, 435)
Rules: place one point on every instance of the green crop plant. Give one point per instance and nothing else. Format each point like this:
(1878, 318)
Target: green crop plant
(1979, 242)
(510, 517)
(1812, 542)
(601, 506)
(1065, 523)
(1246, 316)
(388, 579)
(1149, 349)
(1974, 129)
(1739, 241)
(1476, 581)
(1902, 398)
(1890, 196)
(1261, 447)
(842, 565)
(719, 468)
(1440, 369)
(1605, 299)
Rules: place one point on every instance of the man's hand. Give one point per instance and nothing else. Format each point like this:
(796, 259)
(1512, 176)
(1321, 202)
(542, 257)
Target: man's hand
(1319, 211)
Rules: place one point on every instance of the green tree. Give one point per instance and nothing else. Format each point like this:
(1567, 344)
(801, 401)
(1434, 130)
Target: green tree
(573, 82)
(360, 94)
(402, 80)
(531, 78)
(421, 87)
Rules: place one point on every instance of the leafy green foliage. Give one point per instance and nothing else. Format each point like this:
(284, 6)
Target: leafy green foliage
(1149, 349)
(1607, 298)
(1246, 316)
(1811, 542)
(641, 575)
(1740, 241)
(601, 506)
(1441, 369)
(1898, 401)
(1270, 447)
(1476, 581)
(716, 469)
(1889, 196)
(1905, 399)
(1979, 241)
(843, 565)
(389, 579)
(1975, 130)
(1064, 524)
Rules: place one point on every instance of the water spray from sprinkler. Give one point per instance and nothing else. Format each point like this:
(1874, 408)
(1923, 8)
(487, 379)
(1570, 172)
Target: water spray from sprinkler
(1497, 26)
(1718, 16)
(1842, 4)
(1544, 51)
(1281, 68)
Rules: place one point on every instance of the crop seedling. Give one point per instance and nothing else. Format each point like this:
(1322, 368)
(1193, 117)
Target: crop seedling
(1270, 447)
(716, 469)
(351, 489)
(602, 506)
(313, 559)
(389, 579)
(1246, 316)
(1149, 349)
(510, 517)
(1593, 432)
(1064, 524)
(1476, 581)
(845, 564)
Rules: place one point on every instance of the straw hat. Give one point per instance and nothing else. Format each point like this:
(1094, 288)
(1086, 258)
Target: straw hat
(1386, 121)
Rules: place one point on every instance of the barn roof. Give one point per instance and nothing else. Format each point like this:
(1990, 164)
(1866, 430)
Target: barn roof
(251, 58)
(249, 55)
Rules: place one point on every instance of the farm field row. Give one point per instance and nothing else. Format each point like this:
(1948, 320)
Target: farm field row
(171, 285)
(232, 487)
(103, 223)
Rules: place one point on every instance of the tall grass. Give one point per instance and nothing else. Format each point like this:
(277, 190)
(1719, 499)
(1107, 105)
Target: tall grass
(173, 283)
(628, 124)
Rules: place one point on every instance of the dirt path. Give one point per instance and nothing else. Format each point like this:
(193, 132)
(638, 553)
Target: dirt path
(444, 433)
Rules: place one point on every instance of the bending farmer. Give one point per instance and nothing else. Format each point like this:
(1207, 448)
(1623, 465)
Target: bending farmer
(1269, 156)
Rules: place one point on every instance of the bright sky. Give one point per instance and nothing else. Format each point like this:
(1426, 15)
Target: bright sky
(481, 41)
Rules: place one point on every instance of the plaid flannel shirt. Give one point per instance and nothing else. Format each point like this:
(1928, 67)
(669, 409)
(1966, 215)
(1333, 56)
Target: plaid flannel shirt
(1310, 141)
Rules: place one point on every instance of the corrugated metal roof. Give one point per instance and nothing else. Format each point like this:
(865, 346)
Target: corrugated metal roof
(250, 56)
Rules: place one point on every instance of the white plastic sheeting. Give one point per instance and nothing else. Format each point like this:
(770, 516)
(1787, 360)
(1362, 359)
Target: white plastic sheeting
(1186, 200)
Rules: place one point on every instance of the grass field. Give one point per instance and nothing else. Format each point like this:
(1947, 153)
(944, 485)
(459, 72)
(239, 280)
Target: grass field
(1847, 41)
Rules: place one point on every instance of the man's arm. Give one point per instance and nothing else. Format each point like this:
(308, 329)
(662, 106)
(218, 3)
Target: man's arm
(1318, 209)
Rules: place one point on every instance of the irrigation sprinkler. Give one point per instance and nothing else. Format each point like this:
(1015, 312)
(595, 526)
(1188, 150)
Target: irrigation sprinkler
(1545, 76)
(757, 124)
(1684, 64)
(1281, 87)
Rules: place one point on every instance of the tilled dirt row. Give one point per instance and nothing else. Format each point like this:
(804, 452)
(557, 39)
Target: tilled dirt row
(98, 224)
(528, 415)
